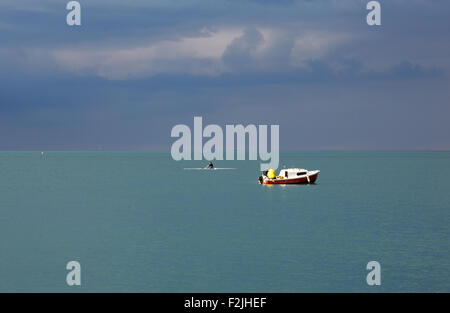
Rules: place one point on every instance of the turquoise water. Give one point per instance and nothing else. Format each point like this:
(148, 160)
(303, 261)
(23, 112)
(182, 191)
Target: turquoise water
(138, 221)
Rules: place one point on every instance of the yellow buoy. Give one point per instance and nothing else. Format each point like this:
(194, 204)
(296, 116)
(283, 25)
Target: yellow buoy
(271, 173)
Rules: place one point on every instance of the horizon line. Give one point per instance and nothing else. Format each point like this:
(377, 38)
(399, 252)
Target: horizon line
(281, 150)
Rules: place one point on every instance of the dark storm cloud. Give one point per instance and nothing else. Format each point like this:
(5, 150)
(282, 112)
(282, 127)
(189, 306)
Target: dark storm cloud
(410, 70)
(135, 69)
(237, 55)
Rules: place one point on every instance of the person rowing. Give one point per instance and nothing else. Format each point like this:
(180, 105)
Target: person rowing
(210, 166)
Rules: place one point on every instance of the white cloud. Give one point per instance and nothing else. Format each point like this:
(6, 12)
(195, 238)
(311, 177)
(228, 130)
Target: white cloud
(315, 45)
(194, 55)
(275, 50)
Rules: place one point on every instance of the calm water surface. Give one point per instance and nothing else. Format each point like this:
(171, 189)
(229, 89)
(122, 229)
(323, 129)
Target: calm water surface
(139, 221)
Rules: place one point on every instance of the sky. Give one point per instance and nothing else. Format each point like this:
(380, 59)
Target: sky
(135, 69)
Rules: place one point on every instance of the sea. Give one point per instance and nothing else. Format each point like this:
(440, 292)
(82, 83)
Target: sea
(138, 221)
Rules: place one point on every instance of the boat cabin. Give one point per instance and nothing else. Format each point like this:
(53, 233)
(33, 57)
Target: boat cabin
(292, 172)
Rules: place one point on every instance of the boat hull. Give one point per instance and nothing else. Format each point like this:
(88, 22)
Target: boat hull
(306, 179)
